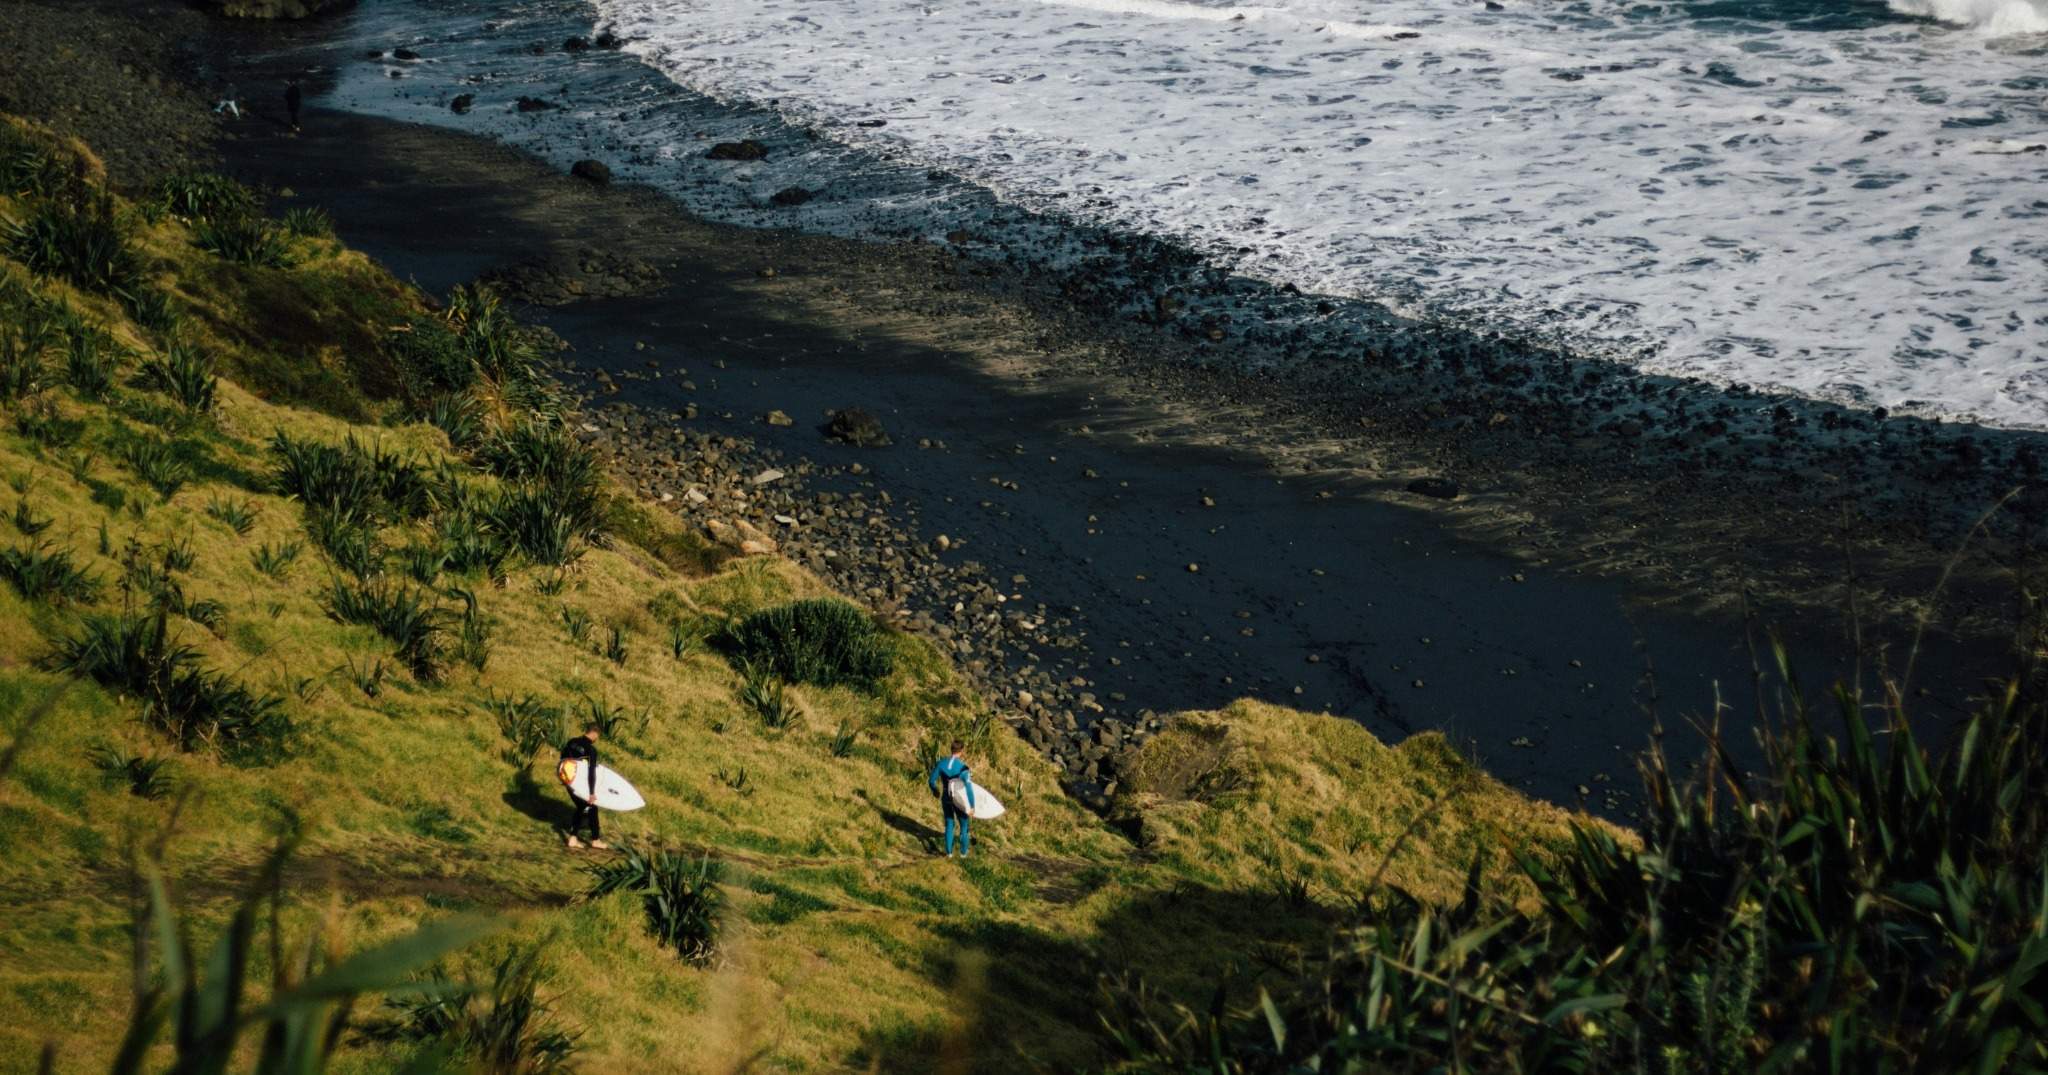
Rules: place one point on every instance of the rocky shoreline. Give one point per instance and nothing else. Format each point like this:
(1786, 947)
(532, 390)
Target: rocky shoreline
(1024, 657)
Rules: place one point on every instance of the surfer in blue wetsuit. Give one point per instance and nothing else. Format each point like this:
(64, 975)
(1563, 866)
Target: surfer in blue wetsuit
(583, 748)
(946, 775)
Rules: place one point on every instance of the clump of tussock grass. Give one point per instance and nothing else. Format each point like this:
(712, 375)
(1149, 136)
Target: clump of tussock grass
(528, 723)
(80, 240)
(349, 479)
(44, 574)
(23, 373)
(185, 374)
(199, 196)
(158, 463)
(90, 363)
(469, 542)
(368, 676)
(144, 776)
(844, 739)
(685, 906)
(407, 617)
(1860, 902)
(821, 641)
(31, 169)
(614, 722)
(308, 222)
(503, 1026)
(472, 630)
(539, 525)
(196, 708)
(768, 698)
(457, 415)
(555, 502)
(236, 515)
(472, 345)
(275, 560)
(245, 239)
(153, 309)
(24, 519)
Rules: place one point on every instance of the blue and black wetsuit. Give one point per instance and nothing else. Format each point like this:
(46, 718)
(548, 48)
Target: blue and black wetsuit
(583, 750)
(943, 775)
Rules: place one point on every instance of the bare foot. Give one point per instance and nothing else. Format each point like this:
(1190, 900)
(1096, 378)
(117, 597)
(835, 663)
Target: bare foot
(600, 845)
(575, 844)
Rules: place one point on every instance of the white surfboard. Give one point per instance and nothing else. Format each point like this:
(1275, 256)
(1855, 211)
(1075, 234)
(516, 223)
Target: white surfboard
(985, 805)
(614, 792)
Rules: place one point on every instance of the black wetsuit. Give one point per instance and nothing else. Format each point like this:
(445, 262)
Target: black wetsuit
(291, 103)
(583, 750)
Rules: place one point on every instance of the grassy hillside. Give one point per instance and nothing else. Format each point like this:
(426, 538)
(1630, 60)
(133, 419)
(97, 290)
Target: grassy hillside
(288, 548)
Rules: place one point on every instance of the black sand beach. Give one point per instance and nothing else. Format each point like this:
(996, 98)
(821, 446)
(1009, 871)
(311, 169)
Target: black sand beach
(1130, 528)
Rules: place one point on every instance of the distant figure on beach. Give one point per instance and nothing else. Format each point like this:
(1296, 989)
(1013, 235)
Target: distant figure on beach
(227, 105)
(949, 771)
(583, 748)
(292, 99)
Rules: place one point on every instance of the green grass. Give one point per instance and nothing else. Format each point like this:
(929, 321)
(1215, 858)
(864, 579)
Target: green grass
(78, 240)
(415, 795)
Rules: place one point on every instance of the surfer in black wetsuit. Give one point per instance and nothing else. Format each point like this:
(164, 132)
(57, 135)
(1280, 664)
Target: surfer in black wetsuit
(583, 748)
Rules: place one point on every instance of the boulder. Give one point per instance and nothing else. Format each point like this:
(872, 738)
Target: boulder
(592, 171)
(1439, 487)
(533, 104)
(462, 103)
(790, 197)
(857, 427)
(744, 150)
(575, 44)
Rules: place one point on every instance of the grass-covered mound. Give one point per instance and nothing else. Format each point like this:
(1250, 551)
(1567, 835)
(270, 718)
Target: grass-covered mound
(1260, 791)
(292, 556)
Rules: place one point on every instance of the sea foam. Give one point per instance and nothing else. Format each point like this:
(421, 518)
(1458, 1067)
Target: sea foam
(1836, 205)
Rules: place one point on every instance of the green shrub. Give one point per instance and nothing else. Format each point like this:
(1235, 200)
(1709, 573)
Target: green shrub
(81, 241)
(245, 239)
(196, 708)
(204, 196)
(407, 617)
(501, 1028)
(823, 641)
(473, 631)
(684, 905)
(308, 222)
(184, 373)
(39, 574)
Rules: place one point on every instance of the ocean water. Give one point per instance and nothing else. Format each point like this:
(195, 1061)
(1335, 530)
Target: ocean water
(1841, 199)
